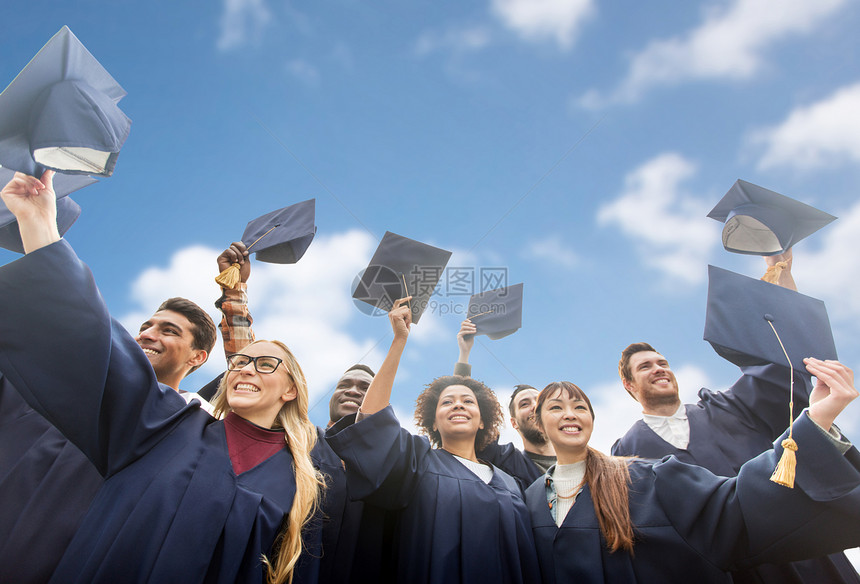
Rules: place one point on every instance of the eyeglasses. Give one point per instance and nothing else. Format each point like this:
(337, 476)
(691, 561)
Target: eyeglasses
(263, 364)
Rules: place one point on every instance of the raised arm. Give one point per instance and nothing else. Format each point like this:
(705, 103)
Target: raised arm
(834, 390)
(465, 342)
(58, 345)
(236, 318)
(750, 519)
(379, 393)
(34, 204)
(761, 394)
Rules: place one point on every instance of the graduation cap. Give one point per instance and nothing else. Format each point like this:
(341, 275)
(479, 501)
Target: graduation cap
(741, 311)
(401, 267)
(68, 211)
(279, 237)
(497, 313)
(750, 322)
(61, 112)
(762, 222)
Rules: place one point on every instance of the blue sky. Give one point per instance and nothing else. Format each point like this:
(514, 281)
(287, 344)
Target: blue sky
(576, 145)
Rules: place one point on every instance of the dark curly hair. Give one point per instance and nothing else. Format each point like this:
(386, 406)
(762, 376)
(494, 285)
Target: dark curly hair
(491, 410)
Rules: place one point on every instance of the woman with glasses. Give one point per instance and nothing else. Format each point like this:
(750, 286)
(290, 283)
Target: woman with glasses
(459, 519)
(599, 518)
(186, 497)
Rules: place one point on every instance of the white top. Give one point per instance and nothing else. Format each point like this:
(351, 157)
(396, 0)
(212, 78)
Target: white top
(674, 429)
(190, 397)
(567, 479)
(484, 472)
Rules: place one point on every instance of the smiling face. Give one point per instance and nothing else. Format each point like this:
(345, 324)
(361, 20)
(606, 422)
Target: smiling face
(567, 422)
(348, 394)
(258, 397)
(167, 340)
(652, 382)
(523, 420)
(458, 415)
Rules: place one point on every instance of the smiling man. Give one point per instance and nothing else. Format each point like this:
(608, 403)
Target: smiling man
(535, 444)
(177, 340)
(721, 431)
(47, 483)
(349, 392)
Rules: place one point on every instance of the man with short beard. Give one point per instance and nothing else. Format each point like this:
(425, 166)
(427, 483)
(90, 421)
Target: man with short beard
(721, 432)
(535, 445)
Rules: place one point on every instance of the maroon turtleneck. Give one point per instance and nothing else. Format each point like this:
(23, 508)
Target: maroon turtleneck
(249, 444)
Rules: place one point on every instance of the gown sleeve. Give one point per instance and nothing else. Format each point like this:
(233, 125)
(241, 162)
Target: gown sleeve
(384, 462)
(750, 520)
(75, 365)
(236, 320)
(760, 397)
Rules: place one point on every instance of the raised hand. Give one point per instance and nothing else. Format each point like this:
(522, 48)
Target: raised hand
(466, 339)
(34, 204)
(401, 317)
(834, 390)
(236, 254)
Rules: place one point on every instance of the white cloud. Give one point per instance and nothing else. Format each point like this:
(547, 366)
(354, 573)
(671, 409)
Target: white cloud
(458, 40)
(834, 269)
(729, 44)
(242, 21)
(553, 250)
(822, 134)
(303, 71)
(670, 226)
(307, 304)
(539, 20)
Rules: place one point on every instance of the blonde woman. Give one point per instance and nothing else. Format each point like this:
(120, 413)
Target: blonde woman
(186, 497)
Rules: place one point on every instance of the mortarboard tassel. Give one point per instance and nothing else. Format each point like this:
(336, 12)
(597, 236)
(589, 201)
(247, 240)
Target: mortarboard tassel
(774, 272)
(230, 277)
(786, 468)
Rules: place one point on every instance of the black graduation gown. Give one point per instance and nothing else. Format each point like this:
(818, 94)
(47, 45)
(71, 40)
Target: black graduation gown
(513, 461)
(171, 508)
(729, 428)
(356, 536)
(452, 527)
(44, 481)
(690, 525)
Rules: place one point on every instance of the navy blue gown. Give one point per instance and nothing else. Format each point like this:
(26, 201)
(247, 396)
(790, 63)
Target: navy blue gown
(171, 509)
(729, 428)
(356, 537)
(44, 480)
(692, 526)
(451, 526)
(513, 461)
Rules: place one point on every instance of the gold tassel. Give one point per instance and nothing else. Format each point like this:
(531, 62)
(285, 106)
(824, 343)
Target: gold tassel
(229, 277)
(784, 473)
(774, 272)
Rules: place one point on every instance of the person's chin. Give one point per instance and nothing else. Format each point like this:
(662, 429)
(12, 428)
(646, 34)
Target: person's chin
(345, 411)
